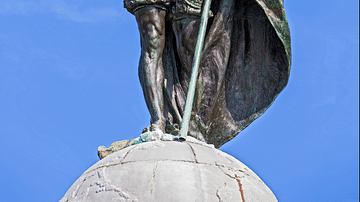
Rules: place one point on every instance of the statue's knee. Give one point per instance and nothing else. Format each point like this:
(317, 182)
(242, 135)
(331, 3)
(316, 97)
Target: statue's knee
(154, 44)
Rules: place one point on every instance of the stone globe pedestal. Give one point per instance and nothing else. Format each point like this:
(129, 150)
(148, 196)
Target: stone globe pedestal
(167, 171)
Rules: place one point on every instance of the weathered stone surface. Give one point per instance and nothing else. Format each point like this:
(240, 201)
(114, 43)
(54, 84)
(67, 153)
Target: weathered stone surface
(163, 171)
(147, 136)
(162, 151)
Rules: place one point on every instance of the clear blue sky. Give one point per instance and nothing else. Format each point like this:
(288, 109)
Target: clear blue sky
(68, 84)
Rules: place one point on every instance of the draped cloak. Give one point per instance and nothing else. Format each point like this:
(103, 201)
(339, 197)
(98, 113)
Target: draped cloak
(245, 64)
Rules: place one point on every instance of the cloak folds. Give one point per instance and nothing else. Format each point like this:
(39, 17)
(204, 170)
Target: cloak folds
(244, 66)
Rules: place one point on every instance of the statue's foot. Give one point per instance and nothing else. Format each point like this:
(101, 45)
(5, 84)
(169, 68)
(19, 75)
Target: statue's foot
(151, 133)
(152, 127)
(147, 129)
(172, 129)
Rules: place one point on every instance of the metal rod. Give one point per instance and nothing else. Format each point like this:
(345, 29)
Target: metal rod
(195, 71)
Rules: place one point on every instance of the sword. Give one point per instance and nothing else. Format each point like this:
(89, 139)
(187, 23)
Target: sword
(195, 71)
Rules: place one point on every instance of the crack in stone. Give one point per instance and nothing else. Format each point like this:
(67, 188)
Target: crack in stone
(164, 160)
(127, 153)
(217, 194)
(105, 166)
(235, 178)
(202, 144)
(229, 159)
(186, 161)
(152, 189)
(240, 188)
(229, 168)
(193, 151)
(78, 188)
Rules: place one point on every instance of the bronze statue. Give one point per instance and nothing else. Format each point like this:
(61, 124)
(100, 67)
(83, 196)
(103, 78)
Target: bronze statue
(245, 63)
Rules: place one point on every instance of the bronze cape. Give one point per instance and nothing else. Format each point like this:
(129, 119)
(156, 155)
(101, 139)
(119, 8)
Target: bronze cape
(245, 65)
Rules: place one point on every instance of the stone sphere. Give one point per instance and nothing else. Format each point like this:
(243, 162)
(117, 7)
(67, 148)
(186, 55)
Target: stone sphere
(167, 171)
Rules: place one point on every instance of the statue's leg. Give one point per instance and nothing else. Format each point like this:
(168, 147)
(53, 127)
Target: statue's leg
(186, 31)
(151, 24)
